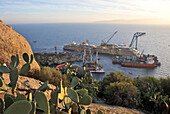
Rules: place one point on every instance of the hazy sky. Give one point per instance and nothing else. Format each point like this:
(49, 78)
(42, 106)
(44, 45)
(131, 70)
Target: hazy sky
(54, 11)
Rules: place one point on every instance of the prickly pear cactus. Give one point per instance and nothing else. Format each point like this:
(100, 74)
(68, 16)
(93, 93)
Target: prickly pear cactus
(14, 78)
(4, 69)
(20, 97)
(74, 82)
(82, 91)
(61, 91)
(99, 112)
(26, 67)
(1, 106)
(3, 84)
(19, 107)
(73, 95)
(42, 102)
(43, 87)
(85, 100)
(9, 100)
(13, 71)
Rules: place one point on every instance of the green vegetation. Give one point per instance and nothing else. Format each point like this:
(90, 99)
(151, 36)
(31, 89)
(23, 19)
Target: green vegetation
(165, 85)
(153, 97)
(13, 71)
(147, 93)
(63, 100)
(121, 93)
(73, 92)
(112, 78)
(53, 76)
(86, 80)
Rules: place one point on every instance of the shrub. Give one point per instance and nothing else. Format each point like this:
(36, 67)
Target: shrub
(145, 83)
(147, 86)
(111, 78)
(53, 76)
(121, 93)
(153, 97)
(165, 85)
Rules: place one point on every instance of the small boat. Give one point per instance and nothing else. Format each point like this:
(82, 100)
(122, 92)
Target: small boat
(60, 66)
(34, 41)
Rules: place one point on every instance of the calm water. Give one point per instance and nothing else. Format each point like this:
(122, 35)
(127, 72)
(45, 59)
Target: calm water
(156, 41)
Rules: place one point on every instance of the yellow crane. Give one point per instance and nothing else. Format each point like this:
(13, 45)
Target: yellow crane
(105, 44)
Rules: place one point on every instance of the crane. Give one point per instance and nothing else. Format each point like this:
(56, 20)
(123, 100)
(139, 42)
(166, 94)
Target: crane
(106, 43)
(135, 38)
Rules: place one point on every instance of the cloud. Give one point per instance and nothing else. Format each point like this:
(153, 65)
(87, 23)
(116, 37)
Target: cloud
(89, 9)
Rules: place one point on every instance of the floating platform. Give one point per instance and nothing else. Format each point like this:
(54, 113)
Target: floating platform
(98, 70)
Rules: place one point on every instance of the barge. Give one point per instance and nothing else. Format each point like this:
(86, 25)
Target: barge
(144, 61)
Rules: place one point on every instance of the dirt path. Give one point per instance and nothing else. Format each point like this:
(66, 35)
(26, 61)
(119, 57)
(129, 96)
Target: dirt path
(108, 109)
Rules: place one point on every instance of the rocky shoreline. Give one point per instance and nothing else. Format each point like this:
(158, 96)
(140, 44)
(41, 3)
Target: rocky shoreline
(55, 59)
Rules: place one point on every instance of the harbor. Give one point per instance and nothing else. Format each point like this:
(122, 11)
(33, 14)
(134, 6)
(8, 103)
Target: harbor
(123, 54)
(150, 43)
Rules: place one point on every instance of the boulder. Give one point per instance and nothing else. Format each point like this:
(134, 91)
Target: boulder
(12, 43)
(25, 84)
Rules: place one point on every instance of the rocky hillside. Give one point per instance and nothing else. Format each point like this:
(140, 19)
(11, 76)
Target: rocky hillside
(12, 43)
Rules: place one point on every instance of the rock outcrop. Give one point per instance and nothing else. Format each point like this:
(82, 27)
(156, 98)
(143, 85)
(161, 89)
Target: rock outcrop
(12, 43)
(55, 59)
(25, 84)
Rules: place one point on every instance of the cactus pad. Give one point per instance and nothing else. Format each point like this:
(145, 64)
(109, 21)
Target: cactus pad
(82, 91)
(4, 69)
(42, 102)
(20, 97)
(43, 87)
(74, 82)
(73, 95)
(86, 100)
(25, 69)
(25, 57)
(19, 107)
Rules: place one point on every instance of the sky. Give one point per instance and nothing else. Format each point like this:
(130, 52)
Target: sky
(85, 11)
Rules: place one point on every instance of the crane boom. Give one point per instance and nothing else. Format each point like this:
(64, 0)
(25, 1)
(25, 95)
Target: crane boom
(135, 38)
(111, 37)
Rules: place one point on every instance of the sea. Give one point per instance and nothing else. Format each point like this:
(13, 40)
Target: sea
(44, 37)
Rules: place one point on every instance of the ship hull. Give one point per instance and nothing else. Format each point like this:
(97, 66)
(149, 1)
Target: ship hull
(138, 65)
